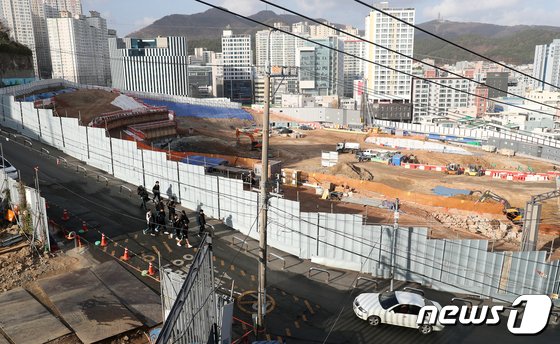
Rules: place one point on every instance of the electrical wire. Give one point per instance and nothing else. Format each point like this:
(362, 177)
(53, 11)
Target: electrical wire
(452, 43)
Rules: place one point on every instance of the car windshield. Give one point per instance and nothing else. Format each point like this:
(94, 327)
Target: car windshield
(388, 300)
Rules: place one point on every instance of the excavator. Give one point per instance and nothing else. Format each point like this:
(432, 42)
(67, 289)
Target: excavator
(254, 134)
(513, 214)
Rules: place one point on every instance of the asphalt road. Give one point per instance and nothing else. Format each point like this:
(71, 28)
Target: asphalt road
(302, 310)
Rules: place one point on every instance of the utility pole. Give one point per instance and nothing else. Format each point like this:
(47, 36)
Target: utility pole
(261, 297)
(393, 249)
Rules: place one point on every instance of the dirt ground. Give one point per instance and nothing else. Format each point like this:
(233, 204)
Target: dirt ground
(85, 103)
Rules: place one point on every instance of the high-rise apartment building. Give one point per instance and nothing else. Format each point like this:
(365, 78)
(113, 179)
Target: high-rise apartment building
(16, 15)
(282, 49)
(382, 82)
(237, 58)
(353, 65)
(156, 65)
(78, 48)
(546, 65)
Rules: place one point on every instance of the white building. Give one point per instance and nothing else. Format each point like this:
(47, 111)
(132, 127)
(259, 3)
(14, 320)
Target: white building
(353, 66)
(237, 58)
(17, 16)
(546, 65)
(156, 65)
(78, 48)
(432, 99)
(388, 32)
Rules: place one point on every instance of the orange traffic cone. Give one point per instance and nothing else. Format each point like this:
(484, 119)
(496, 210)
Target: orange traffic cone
(65, 216)
(84, 226)
(151, 270)
(103, 240)
(125, 256)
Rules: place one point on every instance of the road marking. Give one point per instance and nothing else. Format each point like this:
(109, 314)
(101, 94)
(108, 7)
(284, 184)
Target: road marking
(195, 249)
(283, 293)
(247, 302)
(253, 278)
(115, 244)
(296, 299)
(243, 273)
(126, 240)
(232, 267)
(105, 249)
(268, 337)
(167, 247)
(288, 332)
(308, 305)
(222, 263)
(296, 324)
(304, 317)
(214, 258)
(113, 253)
(318, 306)
(136, 236)
(155, 249)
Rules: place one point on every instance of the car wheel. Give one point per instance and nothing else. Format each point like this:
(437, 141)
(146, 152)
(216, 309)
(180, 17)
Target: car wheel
(425, 329)
(374, 320)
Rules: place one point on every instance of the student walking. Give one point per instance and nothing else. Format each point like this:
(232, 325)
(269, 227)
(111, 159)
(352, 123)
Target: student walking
(160, 221)
(171, 204)
(184, 221)
(176, 227)
(155, 191)
(201, 219)
(144, 196)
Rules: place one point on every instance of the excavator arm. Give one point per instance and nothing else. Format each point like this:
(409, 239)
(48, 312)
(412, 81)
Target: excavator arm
(491, 195)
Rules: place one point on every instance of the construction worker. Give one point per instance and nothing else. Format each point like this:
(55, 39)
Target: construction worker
(201, 219)
(155, 191)
(171, 203)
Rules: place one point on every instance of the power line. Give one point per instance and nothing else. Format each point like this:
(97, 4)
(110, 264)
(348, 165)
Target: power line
(452, 43)
(401, 54)
(368, 61)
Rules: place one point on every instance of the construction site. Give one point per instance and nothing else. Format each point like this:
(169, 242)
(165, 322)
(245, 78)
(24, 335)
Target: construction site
(458, 191)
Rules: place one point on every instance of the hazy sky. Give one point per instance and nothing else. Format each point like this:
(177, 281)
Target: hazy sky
(129, 15)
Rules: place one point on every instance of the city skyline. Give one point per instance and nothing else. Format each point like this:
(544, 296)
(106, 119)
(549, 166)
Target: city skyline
(127, 16)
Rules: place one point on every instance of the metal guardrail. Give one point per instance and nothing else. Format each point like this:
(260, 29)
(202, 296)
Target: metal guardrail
(106, 180)
(78, 167)
(243, 242)
(45, 150)
(63, 160)
(453, 300)
(27, 142)
(319, 270)
(414, 290)
(280, 258)
(126, 188)
(366, 279)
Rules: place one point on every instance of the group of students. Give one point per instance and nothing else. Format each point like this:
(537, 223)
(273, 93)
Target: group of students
(157, 221)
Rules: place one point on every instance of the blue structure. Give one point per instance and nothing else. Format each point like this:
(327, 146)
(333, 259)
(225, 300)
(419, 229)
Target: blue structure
(47, 95)
(201, 111)
(396, 159)
(205, 161)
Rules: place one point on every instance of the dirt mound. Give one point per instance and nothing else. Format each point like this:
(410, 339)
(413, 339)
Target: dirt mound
(351, 171)
(85, 103)
(202, 144)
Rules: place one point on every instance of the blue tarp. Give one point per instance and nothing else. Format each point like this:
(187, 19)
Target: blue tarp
(199, 160)
(396, 159)
(47, 95)
(202, 111)
(449, 192)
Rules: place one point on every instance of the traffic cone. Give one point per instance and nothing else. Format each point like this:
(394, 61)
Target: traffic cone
(125, 256)
(103, 240)
(65, 216)
(84, 226)
(151, 270)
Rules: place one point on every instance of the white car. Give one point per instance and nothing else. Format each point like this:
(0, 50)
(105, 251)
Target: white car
(398, 308)
(9, 169)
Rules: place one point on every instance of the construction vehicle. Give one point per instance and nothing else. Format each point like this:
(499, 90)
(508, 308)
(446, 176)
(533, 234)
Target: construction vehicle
(344, 147)
(454, 169)
(474, 170)
(254, 134)
(513, 214)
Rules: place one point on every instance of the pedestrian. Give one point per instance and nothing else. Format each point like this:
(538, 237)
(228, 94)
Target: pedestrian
(171, 203)
(159, 205)
(185, 228)
(155, 191)
(160, 221)
(201, 219)
(177, 228)
(144, 196)
(152, 224)
(148, 222)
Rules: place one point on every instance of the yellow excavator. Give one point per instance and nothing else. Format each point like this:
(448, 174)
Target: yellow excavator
(513, 214)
